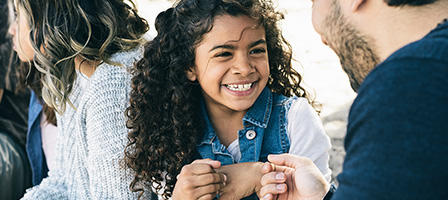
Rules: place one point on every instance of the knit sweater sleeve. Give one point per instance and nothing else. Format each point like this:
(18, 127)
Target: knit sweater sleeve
(101, 137)
(106, 134)
(52, 187)
(92, 137)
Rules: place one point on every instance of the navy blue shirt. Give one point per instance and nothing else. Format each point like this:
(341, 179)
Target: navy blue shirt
(397, 135)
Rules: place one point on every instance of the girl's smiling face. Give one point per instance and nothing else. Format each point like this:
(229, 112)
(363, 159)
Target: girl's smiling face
(232, 64)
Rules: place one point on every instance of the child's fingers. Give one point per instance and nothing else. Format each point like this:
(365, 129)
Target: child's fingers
(269, 167)
(195, 186)
(268, 197)
(207, 197)
(266, 168)
(272, 178)
(196, 169)
(214, 163)
(272, 189)
(199, 174)
(211, 178)
(208, 191)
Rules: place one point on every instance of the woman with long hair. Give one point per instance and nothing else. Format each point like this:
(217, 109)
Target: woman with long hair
(15, 175)
(82, 50)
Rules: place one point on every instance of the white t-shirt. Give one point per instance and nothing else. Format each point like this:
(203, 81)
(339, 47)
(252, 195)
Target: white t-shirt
(48, 135)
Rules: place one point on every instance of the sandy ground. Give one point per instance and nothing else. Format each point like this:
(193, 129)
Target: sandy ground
(317, 63)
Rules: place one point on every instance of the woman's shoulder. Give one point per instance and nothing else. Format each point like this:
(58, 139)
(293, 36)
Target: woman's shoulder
(128, 58)
(116, 71)
(113, 79)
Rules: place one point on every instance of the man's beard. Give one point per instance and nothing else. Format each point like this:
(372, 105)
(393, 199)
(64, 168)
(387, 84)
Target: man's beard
(355, 53)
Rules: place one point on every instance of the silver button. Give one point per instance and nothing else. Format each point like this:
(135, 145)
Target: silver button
(250, 134)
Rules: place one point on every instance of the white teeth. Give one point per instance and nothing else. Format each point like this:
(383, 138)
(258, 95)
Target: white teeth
(240, 87)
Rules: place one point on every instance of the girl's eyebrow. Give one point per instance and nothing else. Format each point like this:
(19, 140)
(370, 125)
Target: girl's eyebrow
(231, 47)
(260, 41)
(224, 46)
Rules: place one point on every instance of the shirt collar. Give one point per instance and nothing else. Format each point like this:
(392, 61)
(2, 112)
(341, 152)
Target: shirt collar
(258, 115)
(260, 112)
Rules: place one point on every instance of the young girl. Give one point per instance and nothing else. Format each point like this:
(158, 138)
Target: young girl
(217, 83)
(82, 49)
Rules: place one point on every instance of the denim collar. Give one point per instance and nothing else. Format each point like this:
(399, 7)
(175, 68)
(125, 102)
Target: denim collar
(258, 115)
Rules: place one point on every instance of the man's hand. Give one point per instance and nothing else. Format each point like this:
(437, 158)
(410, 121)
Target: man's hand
(292, 178)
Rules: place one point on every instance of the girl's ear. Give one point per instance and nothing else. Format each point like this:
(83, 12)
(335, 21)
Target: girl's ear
(191, 74)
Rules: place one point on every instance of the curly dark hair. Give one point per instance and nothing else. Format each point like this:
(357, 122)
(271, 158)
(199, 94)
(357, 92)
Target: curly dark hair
(164, 108)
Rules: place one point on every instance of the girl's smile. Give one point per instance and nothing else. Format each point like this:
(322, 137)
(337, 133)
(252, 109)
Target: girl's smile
(241, 89)
(232, 64)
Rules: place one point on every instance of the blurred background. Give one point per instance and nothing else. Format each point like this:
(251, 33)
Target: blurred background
(317, 63)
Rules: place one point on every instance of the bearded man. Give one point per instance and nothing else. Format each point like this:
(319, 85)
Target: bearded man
(395, 53)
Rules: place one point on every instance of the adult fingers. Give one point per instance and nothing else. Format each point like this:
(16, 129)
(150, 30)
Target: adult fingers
(289, 160)
(273, 189)
(273, 178)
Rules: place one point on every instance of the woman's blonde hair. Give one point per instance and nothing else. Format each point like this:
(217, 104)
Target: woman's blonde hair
(62, 30)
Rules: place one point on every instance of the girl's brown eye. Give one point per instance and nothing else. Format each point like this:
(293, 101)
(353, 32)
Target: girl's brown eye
(258, 51)
(223, 54)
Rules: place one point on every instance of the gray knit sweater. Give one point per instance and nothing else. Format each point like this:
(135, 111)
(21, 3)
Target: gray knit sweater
(91, 139)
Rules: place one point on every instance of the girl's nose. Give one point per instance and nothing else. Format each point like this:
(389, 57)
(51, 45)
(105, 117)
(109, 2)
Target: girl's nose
(243, 66)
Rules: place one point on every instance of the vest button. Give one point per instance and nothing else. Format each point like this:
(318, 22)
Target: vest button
(250, 134)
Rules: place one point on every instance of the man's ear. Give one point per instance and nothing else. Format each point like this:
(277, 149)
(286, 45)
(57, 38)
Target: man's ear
(191, 74)
(356, 4)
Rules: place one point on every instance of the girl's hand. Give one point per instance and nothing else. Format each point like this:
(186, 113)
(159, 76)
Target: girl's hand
(243, 179)
(199, 180)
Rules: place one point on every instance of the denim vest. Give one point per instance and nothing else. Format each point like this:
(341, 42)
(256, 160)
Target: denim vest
(264, 133)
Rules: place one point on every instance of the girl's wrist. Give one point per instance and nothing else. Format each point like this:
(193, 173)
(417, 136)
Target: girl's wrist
(256, 166)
